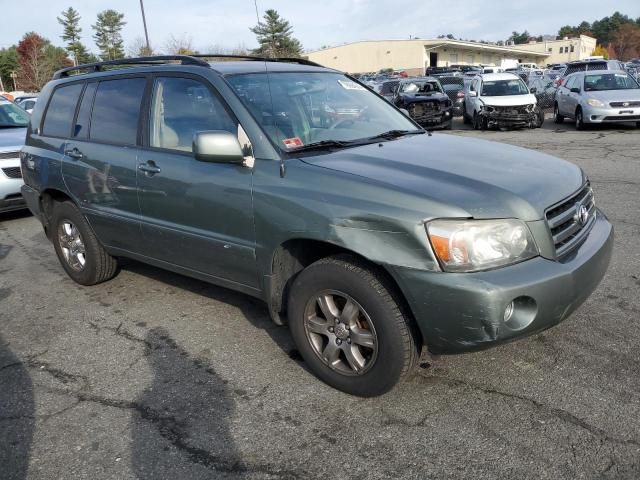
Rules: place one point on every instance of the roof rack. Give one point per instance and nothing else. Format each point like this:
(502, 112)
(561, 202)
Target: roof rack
(301, 61)
(153, 60)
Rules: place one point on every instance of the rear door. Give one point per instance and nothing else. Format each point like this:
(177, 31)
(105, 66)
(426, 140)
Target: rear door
(197, 215)
(101, 159)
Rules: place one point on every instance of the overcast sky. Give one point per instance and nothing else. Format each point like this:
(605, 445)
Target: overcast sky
(316, 22)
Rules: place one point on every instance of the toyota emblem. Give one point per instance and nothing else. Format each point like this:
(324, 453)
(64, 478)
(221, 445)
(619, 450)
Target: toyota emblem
(625, 104)
(582, 214)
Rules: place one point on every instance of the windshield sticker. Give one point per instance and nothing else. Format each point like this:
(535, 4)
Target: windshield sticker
(350, 85)
(292, 142)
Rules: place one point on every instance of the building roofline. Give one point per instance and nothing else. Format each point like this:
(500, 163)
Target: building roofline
(443, 42)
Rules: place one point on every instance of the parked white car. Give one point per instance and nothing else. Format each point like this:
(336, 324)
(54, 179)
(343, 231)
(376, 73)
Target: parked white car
(500, 100)
(13, 129)
(27, 103)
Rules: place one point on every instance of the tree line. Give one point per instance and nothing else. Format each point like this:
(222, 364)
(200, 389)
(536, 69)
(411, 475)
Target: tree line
(30, 63)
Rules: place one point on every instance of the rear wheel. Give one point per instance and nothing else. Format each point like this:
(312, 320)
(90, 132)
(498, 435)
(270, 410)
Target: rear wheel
(78, 249)
(557, 118)
(465, 117)
(539, 117)
(350, 328)
(579, 120)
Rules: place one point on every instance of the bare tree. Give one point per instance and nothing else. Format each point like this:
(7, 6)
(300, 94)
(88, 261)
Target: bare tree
(138, 48)
(182, 45)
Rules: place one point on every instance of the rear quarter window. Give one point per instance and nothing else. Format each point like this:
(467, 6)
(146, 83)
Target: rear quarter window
(62, 107)
(116, 110)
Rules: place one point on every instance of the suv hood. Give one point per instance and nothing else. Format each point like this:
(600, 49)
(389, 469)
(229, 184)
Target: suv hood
(422, 97)
(12, 138)
(485, 179)
(509, 100)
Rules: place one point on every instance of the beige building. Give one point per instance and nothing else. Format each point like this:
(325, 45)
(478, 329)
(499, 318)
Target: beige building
(414, 56)
(565, 50)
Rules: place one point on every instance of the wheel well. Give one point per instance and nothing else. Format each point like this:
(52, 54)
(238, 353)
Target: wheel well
(47, 200)
(293, 256)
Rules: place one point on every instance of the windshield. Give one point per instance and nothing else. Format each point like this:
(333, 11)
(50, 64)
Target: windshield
(12, 116)
(609, 81)
(502, 88)
(298, 109)
(420, 87)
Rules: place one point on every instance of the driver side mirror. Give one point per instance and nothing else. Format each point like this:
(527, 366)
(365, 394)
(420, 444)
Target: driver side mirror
(217, 146)
(533, 89)
(575, 90)
(472, 93)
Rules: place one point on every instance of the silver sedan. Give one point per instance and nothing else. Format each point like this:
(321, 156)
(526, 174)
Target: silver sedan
(598, 96)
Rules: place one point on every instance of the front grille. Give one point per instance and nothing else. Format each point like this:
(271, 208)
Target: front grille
(5, 155)
(12, 172)
(424, 108)
(566, 228)
(520, 110)
(622, 104)
(620, 118)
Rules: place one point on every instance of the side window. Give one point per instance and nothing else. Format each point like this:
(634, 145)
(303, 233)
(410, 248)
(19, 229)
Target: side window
(81, 128)
(180, 107)
(116, 110)
(62, 107)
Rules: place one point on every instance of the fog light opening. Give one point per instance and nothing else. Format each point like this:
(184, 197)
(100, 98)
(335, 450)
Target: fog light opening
(520, 313)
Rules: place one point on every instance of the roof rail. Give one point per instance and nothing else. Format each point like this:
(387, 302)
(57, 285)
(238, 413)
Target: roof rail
(301, 61)
(152, 60)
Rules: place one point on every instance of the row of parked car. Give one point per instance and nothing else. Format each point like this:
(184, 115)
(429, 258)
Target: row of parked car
(590, 91)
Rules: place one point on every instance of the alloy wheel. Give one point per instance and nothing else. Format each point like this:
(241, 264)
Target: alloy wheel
(72, 245)
(341, 332)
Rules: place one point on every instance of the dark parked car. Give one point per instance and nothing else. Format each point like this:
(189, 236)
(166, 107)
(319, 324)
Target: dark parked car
(426, 102)
(386, 88)
(453, 86)
(544, 88)
(587, 65)
(370, 238)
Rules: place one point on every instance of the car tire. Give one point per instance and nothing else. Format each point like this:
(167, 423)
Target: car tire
(476, 121)
(539, 117)
(344, 286)
(557, 118)
(82, 256)
(465, 118)
(579, 119)
(637, 124)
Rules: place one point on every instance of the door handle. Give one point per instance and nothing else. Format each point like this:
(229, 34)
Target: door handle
(74, 153)
(150, 168)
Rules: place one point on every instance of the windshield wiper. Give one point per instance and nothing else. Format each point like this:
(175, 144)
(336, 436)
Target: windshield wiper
(324, 145)
(392, 134)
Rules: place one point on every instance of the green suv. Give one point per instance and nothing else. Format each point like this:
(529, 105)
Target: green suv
(371, 238)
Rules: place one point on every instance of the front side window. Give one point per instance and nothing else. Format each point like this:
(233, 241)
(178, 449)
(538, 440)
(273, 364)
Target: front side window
(116, 110)
(609, 81)
(299, 108)
(501, 88)
(12, 116)
(57, 122)
(180, 108)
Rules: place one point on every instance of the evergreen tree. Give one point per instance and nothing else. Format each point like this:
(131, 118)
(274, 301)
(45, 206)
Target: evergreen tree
(275, 37)
(107, 34)
(70, 21)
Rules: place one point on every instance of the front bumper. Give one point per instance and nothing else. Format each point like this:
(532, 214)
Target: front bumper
(513, 120)
(10, 198)
(610, 115)
(458, 312)
(439, 119)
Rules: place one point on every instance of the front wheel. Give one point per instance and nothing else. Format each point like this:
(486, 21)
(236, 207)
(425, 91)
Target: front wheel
(579, 120)
(350, 327)
(83, 258)
(557, 118)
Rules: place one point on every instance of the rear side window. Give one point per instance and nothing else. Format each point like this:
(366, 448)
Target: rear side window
(116, 110)
(81, 128)
(62, 107)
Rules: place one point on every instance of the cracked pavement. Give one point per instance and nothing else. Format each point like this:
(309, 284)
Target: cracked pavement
(154, 375)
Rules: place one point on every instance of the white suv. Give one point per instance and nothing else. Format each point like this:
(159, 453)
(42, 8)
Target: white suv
(13, 129)
(500, 100)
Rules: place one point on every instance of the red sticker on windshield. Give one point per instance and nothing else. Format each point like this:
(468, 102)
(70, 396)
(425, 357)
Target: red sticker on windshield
(292, 142)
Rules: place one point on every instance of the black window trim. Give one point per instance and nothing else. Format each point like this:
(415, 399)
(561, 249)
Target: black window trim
(145, 118)
(46, 110)
(72, 137)
(146, 76)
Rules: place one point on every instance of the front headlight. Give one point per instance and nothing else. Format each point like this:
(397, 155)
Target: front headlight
(472, 245)
(594, 102)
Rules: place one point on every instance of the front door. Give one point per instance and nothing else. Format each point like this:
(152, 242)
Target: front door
(196, 215)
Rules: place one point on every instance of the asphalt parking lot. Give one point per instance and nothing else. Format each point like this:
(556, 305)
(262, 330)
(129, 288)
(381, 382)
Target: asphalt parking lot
(154, 375)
